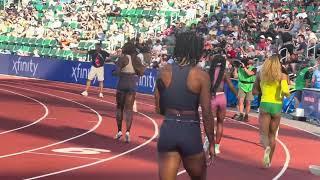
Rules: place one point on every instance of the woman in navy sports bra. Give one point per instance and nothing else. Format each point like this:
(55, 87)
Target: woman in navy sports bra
(181, 87)
(218, 78)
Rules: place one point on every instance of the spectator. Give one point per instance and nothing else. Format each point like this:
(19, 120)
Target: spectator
(316, 76)
(246, 79)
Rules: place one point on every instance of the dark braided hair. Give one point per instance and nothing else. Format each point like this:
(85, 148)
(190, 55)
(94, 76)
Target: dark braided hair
(188, 48)
(217, 60)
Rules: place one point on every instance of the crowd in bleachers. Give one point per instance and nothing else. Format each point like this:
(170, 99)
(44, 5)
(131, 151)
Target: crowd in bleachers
(246, 28)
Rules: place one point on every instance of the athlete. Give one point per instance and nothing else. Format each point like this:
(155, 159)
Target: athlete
(98, 57)
(218, 78)
(272, 84)
(181, 87)
(128, 68)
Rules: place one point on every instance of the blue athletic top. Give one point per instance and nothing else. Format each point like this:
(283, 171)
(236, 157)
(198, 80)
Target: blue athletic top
(177, 95)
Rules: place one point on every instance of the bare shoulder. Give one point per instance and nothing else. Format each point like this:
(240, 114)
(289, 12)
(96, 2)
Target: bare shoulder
(200, 74)
(165, 69)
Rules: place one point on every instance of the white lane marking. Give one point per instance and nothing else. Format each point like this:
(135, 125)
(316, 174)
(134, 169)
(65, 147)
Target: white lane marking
(286, 163)
(60, 142)
(51, 154)
(65, 84)
(33, 123)
(156, 132)
(282, 144)
(80, 150)
(181, 172)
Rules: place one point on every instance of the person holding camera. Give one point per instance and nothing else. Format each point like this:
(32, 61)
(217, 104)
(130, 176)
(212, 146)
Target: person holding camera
(246, 79)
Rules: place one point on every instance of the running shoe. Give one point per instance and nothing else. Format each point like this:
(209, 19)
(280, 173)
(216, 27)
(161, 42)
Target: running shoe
(235, 116)
(240, 117)
(100, 95)
(266, 157)
(84, 93)
(118, 135)
(127, 137)
(206, 144)
(258, 110)
(217, 148)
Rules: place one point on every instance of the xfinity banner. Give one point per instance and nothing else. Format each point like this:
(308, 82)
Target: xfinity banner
(67, 71)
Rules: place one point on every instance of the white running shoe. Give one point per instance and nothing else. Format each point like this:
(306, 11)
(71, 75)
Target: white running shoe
(266, 157)
(127, 137)
(84, 93)
(206, 144)
(217, 148)
(100, 95)
(118, 135)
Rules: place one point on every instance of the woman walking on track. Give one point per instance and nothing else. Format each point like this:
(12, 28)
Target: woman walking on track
(181, 87)
(218, 78)
(128, 68)
(272, 84)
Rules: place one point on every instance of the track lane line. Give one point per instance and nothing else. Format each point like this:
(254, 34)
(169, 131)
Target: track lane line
(60, 142)
(106, 159)
(61, 155)
(33, 123)
(109, 158)
(183, 171)
(282, 144)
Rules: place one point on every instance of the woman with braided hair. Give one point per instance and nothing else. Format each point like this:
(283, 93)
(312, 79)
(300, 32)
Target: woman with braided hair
(219, 77)
(128, 68)
(181, 87)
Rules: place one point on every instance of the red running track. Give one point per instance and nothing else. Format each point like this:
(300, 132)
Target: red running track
(35, 148)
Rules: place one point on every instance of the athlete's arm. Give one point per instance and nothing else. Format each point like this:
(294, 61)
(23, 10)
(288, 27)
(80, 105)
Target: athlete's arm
(230, 85)
(121, 63)
(163, 77)
(284, 85)
(205, 102)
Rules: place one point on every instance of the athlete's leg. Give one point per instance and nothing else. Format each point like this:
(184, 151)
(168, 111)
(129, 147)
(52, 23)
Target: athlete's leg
(196, 166)
(221, 113)
(274, 124)
(128, 108)
(169, 163)
(265, 119)
(120, 98)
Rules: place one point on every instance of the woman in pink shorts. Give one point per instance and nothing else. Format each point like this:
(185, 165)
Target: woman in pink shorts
(218, 102)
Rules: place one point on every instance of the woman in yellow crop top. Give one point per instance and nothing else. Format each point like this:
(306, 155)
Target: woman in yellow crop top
(272, 84)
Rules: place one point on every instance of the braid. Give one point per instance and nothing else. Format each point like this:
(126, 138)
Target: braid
(217, 60)
(188, 48)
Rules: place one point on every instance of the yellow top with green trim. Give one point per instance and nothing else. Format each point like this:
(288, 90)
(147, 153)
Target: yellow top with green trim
(272, 92)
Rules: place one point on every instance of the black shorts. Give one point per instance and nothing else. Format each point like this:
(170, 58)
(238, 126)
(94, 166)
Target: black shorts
(182, 137)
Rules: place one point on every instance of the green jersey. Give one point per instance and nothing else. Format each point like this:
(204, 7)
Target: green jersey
(246, 82)
(303, 76)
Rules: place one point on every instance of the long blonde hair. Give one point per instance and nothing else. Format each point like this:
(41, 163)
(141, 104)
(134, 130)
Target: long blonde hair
(271, 70)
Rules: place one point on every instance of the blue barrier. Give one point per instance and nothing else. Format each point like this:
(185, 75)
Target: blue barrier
(67, 71)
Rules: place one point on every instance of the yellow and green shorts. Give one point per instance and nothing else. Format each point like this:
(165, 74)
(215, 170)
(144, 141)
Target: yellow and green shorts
(271, 108)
